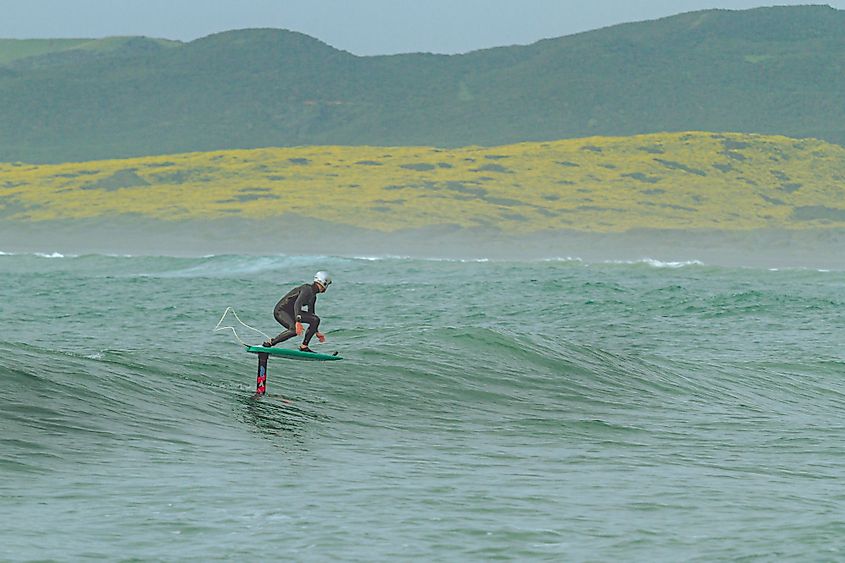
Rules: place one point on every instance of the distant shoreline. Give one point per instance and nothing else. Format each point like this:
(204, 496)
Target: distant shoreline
(811, 248)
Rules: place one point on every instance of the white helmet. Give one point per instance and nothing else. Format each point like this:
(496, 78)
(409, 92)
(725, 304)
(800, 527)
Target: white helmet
(323, 278)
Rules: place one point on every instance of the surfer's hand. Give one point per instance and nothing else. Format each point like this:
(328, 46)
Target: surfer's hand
(298, 328)
(321, 337)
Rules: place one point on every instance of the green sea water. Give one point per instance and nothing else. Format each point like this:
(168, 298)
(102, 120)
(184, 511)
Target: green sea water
(543, 410)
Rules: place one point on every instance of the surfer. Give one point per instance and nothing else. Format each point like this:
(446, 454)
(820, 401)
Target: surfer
(290, 314)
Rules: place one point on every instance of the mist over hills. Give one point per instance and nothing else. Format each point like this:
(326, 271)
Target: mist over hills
(768, 70)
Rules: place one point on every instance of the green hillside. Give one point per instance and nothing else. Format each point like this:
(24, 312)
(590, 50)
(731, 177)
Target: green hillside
(695, 180)
(14, 49)
(767, 70)
(28, 53)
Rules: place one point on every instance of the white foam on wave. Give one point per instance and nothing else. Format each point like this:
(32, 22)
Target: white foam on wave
(563, 259)
(381, 258)
(804, 269)
(389, 257)
(658, 263)
(39, 254)
(458, 260)
(681, 264)
(233, 265)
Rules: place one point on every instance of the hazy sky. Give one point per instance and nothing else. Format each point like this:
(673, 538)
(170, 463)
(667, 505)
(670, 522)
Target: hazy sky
(363, 27)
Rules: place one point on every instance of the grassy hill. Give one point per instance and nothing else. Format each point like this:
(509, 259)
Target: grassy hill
(768, 71)
(690, 180)
(14, 49)
(29, 52)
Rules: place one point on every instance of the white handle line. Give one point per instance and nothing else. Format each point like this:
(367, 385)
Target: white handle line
(218, 327)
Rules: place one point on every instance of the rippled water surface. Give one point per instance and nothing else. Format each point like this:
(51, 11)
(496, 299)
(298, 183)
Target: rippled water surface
(552, 410)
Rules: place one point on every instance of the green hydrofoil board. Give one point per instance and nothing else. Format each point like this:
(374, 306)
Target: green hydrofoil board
(292, 354)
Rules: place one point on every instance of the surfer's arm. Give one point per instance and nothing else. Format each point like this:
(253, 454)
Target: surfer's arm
(303, 298)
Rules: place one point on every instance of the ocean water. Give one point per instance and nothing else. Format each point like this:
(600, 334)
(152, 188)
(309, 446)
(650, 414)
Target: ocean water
(539, 410)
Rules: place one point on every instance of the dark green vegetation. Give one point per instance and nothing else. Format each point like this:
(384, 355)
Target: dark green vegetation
(768, 70)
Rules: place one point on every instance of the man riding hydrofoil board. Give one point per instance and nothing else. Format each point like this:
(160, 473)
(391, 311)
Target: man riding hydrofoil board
(290, 312)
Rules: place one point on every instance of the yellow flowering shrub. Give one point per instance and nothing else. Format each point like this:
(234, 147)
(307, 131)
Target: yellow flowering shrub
(668, 180)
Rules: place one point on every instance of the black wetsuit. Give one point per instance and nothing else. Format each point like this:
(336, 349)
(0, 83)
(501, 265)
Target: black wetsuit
(289, 310)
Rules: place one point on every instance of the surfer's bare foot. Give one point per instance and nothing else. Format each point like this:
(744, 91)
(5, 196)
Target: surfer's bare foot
(305, 348)
(267, 344)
